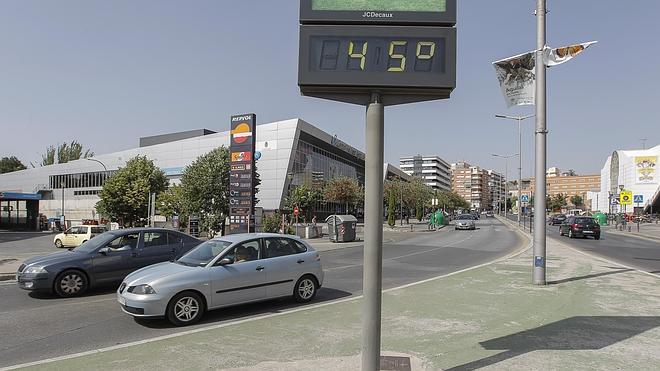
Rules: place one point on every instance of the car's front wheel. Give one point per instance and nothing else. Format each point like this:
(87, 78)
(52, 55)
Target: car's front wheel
(71, 283)
(305, 289)
(59, 244)
(185, 308)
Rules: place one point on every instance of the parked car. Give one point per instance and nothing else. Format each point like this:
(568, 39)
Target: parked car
(106, 258)
(465, 221)
(78, 235)
(490, 214)
(225, 271)
(557, 219)
(580, 226)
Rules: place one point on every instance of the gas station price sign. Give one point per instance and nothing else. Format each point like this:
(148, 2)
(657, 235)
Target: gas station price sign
(426, 12)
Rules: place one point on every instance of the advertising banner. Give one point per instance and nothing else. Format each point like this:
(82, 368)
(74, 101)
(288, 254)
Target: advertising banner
(517, 76)
(645, 169)
(241, 187)
(554, 57)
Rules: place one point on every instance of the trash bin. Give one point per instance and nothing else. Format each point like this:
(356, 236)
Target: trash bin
(601, 218)
(342, 228)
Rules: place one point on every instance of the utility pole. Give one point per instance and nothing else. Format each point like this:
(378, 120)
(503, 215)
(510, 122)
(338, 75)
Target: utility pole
(541, 141)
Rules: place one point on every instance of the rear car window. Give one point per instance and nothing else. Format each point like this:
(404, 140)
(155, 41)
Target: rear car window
(98, 230)
(584, 220)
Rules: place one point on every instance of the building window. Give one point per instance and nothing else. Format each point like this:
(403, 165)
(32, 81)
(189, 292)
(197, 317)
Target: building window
(80, 180)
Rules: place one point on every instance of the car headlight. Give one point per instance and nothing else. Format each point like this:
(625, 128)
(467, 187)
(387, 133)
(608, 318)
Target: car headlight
(34, 270)
(141, 290)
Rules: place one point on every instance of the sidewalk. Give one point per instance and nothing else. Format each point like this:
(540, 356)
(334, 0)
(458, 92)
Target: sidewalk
(646, 230)
(593, 315)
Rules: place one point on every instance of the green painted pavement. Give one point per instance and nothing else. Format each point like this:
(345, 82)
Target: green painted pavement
(594, 316)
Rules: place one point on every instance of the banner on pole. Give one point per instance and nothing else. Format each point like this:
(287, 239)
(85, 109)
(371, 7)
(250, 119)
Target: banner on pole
(555, 57)
(517, 74)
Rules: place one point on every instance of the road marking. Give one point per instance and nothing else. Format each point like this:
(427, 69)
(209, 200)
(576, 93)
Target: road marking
(406, 255)
(252, 319)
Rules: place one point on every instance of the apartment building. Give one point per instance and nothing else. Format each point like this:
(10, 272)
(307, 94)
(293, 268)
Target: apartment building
(567, 185)
(472, 183)
(433, 170)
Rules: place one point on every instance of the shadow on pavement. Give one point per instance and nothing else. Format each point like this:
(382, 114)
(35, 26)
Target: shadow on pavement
(249, 310)
(14, 236)
(589, 276)
(95, 291)
(575, 333)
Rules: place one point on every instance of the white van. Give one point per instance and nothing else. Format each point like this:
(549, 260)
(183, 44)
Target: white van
(76, 236)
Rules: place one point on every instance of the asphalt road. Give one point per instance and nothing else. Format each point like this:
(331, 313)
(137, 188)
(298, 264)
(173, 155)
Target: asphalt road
(35, 327)
(630, 250)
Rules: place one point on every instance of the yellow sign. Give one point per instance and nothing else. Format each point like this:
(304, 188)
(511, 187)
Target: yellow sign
(626, 198)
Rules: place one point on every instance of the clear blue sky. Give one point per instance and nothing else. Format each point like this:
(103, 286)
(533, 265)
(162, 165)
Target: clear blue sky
(107, 72)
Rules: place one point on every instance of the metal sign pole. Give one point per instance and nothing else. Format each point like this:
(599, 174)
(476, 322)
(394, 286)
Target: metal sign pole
(373, 235)
(541, 141)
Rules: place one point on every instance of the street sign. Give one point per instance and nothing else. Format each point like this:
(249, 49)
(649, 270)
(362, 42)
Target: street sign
(626, 198)
(296, 211)
(638, 199)
(614, 201)
(524, 198)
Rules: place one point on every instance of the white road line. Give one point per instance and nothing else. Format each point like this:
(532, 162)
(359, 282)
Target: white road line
(214, 327)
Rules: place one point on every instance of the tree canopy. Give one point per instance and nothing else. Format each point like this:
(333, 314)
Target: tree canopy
(205, 188)
(303, 197)
(63, 153)
(125, 195)
(10, 164)
(343, 190)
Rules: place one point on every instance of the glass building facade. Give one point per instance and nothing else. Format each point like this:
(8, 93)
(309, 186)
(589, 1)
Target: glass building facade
(314, 166)
(80, 180)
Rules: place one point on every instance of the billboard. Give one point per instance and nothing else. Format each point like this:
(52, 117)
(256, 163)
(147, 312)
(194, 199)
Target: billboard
(241, 175)
(645, 169)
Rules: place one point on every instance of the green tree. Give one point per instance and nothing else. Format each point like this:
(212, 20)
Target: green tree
(343, 190)
(303, 197)
(452, 201)
(391, 209)
(170, 202)
(205, 189)
(272, 223)
(557, 202)
(10, 164)
(64, 153)
(577, 200)
(125, 195)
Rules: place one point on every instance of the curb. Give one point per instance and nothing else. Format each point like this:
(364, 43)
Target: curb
(633, 234)
(7, 277)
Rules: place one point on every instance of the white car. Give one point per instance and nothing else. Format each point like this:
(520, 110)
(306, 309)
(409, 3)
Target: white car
(76, 236)
(221, 272)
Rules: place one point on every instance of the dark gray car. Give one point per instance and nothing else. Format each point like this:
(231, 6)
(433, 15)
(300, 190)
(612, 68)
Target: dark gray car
(104, 259)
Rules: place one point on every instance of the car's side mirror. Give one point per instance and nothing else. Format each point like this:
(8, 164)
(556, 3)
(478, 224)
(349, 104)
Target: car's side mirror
(104, 251)
(225, 261)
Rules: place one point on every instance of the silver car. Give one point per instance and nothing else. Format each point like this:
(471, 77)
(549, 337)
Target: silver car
(465, 221)
(225, 271)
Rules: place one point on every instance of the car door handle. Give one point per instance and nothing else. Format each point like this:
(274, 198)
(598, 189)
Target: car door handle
(300, 261)
(172, 250)
(260, 269)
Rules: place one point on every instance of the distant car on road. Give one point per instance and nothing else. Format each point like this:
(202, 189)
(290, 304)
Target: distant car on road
(580, 226)
(557, 219)
(465, 221)
(78, 235)
(221, 272)
(490, 214)
(106, 258)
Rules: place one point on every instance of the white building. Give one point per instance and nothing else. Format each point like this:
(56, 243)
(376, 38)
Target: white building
(292, 153)
(634, 170)
(434, 171)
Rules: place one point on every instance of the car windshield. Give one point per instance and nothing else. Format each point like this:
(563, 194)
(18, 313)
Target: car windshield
(96, 242)
(465, 217)
(204, 253)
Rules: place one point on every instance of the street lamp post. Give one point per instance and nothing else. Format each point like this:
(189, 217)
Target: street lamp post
(95, 160)
(519, 119)
(506, 176)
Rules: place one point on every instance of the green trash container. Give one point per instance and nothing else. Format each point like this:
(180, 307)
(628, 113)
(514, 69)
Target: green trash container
(439, 218)
(601, 218)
